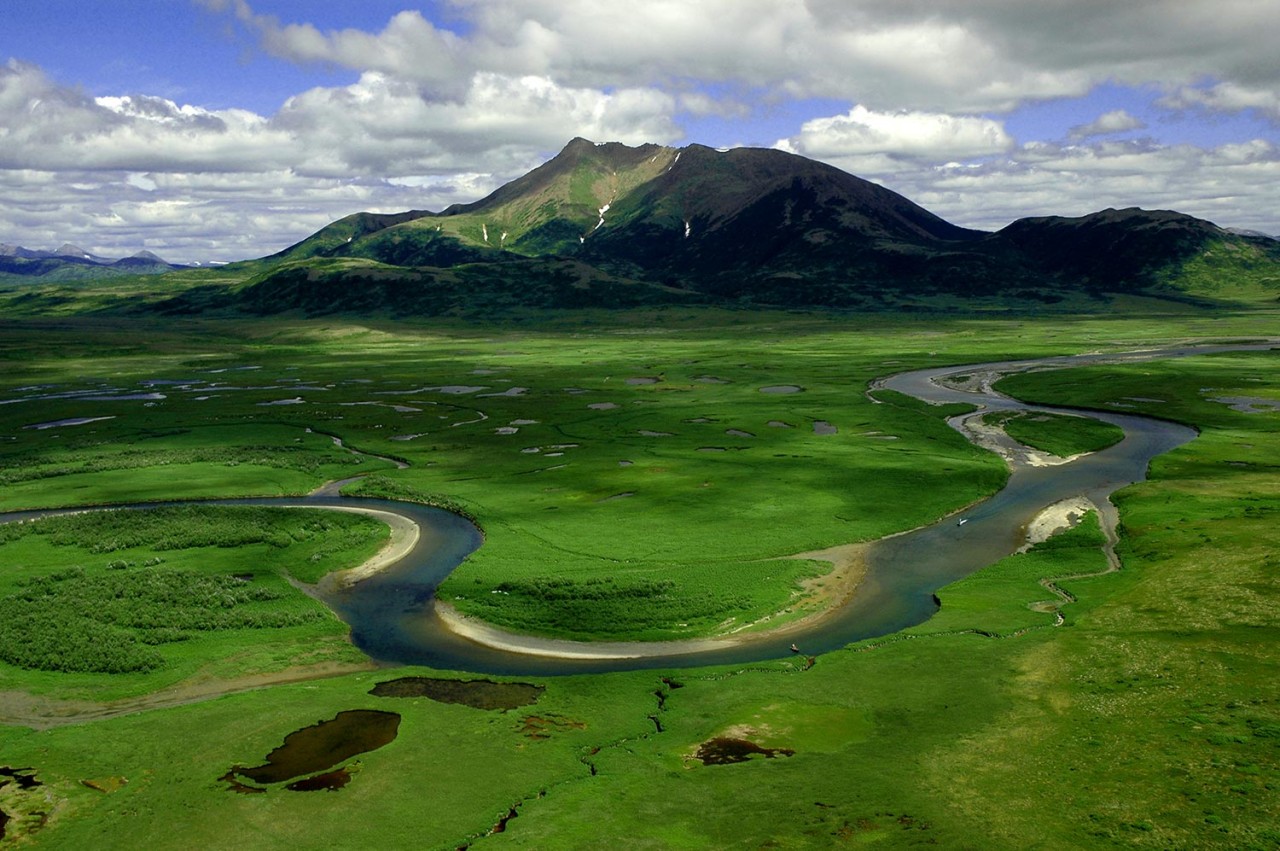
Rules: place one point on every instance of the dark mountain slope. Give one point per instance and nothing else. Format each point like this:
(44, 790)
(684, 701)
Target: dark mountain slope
(335, 239)
(730, 222)
(1110, 250)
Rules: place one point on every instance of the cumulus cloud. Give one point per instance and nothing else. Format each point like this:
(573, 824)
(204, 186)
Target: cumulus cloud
(140, 171)
(1115, 121)
(47, 126)
(1226, 97)
(862, 136)
(381, 125)
(938, 55)
(377, 126)
(446, 110)
(1232, 185)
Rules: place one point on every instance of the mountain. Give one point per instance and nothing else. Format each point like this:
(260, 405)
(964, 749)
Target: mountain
(1254, 233)
(75, 252)
(71, 263)
(610, 225)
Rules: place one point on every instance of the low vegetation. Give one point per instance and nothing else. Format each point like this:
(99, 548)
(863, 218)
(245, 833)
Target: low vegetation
(1059, 434)
(109, 623)
(1148, 718)
(107, 592)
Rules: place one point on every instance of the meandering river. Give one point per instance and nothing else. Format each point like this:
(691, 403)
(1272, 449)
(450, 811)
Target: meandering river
(393, 614)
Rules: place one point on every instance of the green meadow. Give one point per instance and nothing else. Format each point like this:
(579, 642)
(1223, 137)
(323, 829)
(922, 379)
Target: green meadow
(636, 476)
(1059, 434)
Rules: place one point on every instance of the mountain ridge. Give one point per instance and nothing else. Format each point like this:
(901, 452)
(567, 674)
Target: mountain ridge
(72, 263)
(743, 226)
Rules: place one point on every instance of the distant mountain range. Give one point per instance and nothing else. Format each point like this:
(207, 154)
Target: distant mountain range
(72, 263)
(608, 225)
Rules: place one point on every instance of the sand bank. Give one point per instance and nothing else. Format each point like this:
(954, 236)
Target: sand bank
(404, 537)
(822, 594)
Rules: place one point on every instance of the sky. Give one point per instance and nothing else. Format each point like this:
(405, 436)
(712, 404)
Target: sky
(217, 130)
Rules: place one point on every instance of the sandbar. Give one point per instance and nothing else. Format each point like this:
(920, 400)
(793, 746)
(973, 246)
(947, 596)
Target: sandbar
(404, 537)
(827, 593)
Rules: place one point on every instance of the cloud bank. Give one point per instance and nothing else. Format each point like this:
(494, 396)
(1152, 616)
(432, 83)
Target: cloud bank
(443, 112)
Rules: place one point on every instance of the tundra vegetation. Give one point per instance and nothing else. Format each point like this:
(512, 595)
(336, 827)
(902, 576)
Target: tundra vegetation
(1149, 716)
(1059, 434)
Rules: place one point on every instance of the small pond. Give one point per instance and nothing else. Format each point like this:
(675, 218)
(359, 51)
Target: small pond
(319, 748)
(478, 694)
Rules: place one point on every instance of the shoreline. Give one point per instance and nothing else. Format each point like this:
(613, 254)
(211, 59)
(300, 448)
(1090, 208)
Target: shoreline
(404, 536)
(1058, 517)
(830, 591)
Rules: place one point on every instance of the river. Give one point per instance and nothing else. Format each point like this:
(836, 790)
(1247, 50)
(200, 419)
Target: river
(393, 615)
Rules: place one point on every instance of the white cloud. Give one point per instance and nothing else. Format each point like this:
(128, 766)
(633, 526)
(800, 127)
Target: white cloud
(961, 56)
(1232, 185)
(138, 169)
(379, 126)
(440, 115)
(891, 138)
(1226, 97)
(1115, 121)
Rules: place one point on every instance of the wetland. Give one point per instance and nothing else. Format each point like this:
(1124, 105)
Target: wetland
(394, 617)
(983, 691)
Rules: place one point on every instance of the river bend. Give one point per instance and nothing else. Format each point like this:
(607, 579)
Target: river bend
(393, 615)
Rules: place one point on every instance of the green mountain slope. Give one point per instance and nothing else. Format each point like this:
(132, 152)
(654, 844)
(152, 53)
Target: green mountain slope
(745, 226)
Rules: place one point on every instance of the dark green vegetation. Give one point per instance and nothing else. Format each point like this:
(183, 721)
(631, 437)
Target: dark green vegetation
(108, 624)
(167, 589)
(1059, 434)
(1148, 719)
(611, 226)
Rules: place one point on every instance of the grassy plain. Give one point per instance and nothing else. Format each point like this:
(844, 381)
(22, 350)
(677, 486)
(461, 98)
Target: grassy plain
(1150, 718)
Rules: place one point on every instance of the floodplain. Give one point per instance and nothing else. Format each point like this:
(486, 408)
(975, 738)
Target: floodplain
(1052, 701)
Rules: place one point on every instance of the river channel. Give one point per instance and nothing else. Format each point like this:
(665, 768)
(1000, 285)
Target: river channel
(393, 615)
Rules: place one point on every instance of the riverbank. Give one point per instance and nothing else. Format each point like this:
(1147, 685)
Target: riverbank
(405, 534)
(820, 596)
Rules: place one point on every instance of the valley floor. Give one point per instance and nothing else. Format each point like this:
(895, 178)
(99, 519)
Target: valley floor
(1050, 703)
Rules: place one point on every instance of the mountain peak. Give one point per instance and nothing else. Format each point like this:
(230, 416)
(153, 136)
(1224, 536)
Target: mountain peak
(69, 250)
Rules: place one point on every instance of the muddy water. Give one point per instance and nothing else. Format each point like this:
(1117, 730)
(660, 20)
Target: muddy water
(322, 746)
(727, 751)
(478, 694)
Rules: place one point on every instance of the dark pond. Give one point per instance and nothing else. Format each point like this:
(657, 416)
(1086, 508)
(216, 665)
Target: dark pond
(234, 785)
(726, 751)
(478, 694)
(23, 778)
(330, 781)
(324, 745)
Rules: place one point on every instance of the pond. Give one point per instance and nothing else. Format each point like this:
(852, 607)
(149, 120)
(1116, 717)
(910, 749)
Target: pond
(478, 694)
(318, 748)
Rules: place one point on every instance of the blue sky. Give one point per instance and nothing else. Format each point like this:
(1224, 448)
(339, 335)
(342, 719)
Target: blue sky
(223, 129)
